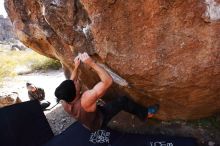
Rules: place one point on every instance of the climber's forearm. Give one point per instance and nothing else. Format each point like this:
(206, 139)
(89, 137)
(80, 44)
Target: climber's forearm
(106, 79)
(74, 74)
(102, 73)
(75, 71)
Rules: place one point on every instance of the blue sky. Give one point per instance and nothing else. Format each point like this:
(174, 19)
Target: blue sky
(2, 9)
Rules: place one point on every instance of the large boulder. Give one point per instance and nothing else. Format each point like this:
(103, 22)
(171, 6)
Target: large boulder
(158, 51)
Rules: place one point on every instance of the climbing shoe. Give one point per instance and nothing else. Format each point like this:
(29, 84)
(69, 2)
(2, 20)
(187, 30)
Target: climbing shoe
(152, 110)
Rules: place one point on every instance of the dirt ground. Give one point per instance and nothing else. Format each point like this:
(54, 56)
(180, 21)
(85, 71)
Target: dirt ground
(48, 80)
(206, 131)
(58, 119)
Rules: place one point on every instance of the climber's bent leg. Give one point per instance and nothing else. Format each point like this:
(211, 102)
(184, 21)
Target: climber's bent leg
(109, 110)
(134, 108)
(140, 111)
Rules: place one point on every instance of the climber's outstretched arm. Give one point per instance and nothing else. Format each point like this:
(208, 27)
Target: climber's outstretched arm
(90, 97)
(76, 65)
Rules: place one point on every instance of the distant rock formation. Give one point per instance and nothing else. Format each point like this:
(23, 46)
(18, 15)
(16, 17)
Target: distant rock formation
(164, 51)
(6, 29)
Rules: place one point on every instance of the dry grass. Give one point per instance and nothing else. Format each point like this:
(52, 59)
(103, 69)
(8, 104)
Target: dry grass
(10, 60)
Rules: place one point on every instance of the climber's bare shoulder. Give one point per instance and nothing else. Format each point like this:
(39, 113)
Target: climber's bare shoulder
(89, 97)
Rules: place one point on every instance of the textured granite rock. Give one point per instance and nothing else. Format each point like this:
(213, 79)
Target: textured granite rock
(162, 51)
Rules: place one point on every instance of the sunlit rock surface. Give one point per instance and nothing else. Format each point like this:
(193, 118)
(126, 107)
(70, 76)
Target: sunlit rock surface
(165, 52)
(9, 99)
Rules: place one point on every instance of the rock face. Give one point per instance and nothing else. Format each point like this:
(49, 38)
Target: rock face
(6, 29)
(157, 51)
(9, 99)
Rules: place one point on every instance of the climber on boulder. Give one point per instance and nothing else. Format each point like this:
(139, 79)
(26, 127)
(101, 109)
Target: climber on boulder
(83, 107)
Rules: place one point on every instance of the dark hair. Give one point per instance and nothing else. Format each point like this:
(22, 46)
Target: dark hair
(66, 91)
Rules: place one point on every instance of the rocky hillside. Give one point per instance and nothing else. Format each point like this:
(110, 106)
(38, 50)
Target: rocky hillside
(6, 29)
(164, 51)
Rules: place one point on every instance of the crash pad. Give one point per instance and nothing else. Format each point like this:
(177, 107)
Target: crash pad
(77, 135)
(24, 124)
